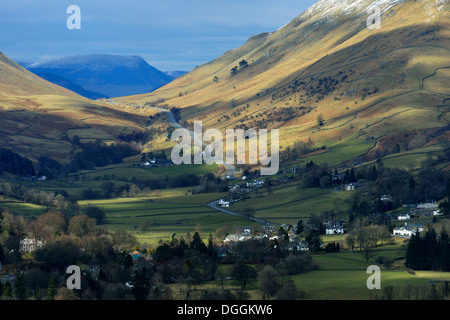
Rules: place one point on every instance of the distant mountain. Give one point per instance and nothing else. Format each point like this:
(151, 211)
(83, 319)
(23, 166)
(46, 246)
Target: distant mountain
(103, 74)
(39, 118)
(66, 83)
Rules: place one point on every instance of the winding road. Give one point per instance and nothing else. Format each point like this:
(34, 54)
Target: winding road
(215, 205)
(230, 169)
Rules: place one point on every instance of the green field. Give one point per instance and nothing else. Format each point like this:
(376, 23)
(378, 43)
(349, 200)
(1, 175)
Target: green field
(171, 211)
(26, 210)
(126, 171)
(288, 205)
(120, 174)
(342, 276)
(341, 151)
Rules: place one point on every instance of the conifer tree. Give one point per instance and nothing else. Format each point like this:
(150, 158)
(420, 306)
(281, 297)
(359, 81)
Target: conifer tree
(51, 290)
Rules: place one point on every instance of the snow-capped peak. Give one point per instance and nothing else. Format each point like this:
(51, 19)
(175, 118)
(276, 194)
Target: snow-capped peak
(328, 8)
(93, 60)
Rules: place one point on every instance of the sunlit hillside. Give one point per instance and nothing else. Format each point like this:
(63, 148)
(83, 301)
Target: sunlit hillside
(326, 76)
(40, 118)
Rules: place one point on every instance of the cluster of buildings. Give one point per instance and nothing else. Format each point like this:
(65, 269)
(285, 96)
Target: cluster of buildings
(34, 178)
(154, 163)
(422, 209)
(408, 229)
(223, 203)
(334, 227)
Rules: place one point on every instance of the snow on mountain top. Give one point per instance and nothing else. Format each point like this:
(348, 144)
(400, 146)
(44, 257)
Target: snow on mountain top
(328, 8)
(97, 60)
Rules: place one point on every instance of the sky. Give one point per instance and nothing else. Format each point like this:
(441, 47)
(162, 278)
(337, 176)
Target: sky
(171, 35)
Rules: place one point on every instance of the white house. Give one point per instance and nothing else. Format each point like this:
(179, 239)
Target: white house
(298, 246)
(404, 217)
(351, 186)
(406, 230)
(30, 245)
(223, 203)
(437, 213)
(334, 228)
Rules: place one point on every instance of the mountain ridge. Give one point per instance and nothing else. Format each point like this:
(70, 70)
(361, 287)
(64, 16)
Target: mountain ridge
(40, 118)
(359, 80)
(106, 74)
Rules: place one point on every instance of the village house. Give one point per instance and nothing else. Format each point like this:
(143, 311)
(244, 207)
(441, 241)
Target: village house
(244, 231)
(429, 205)
(30, 244)
(404, 217)
(298, 246)
(334, 228)
(407, 230)
(223, 203)
(137, 256)
(351, 186)
(153, 163)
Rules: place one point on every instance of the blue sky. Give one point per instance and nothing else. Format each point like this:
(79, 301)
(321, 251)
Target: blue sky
(170, 34)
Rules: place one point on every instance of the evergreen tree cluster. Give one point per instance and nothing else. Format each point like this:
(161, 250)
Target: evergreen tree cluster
(14, 163)
(429, 251)
(99, 154)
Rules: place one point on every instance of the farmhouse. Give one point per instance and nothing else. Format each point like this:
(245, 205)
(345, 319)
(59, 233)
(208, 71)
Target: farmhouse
(407, 230)
(351, 186)
(430, 205)
(138, 257)
(298, 246)
(223, 203)
(404, 217)
(30, 245)
(334, 228)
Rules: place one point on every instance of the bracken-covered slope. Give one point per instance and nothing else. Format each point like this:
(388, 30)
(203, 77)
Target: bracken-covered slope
(326, 76)
(38, 118)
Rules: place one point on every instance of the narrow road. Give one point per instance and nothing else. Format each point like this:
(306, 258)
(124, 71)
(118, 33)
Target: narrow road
(230, 168)
(214, 205)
